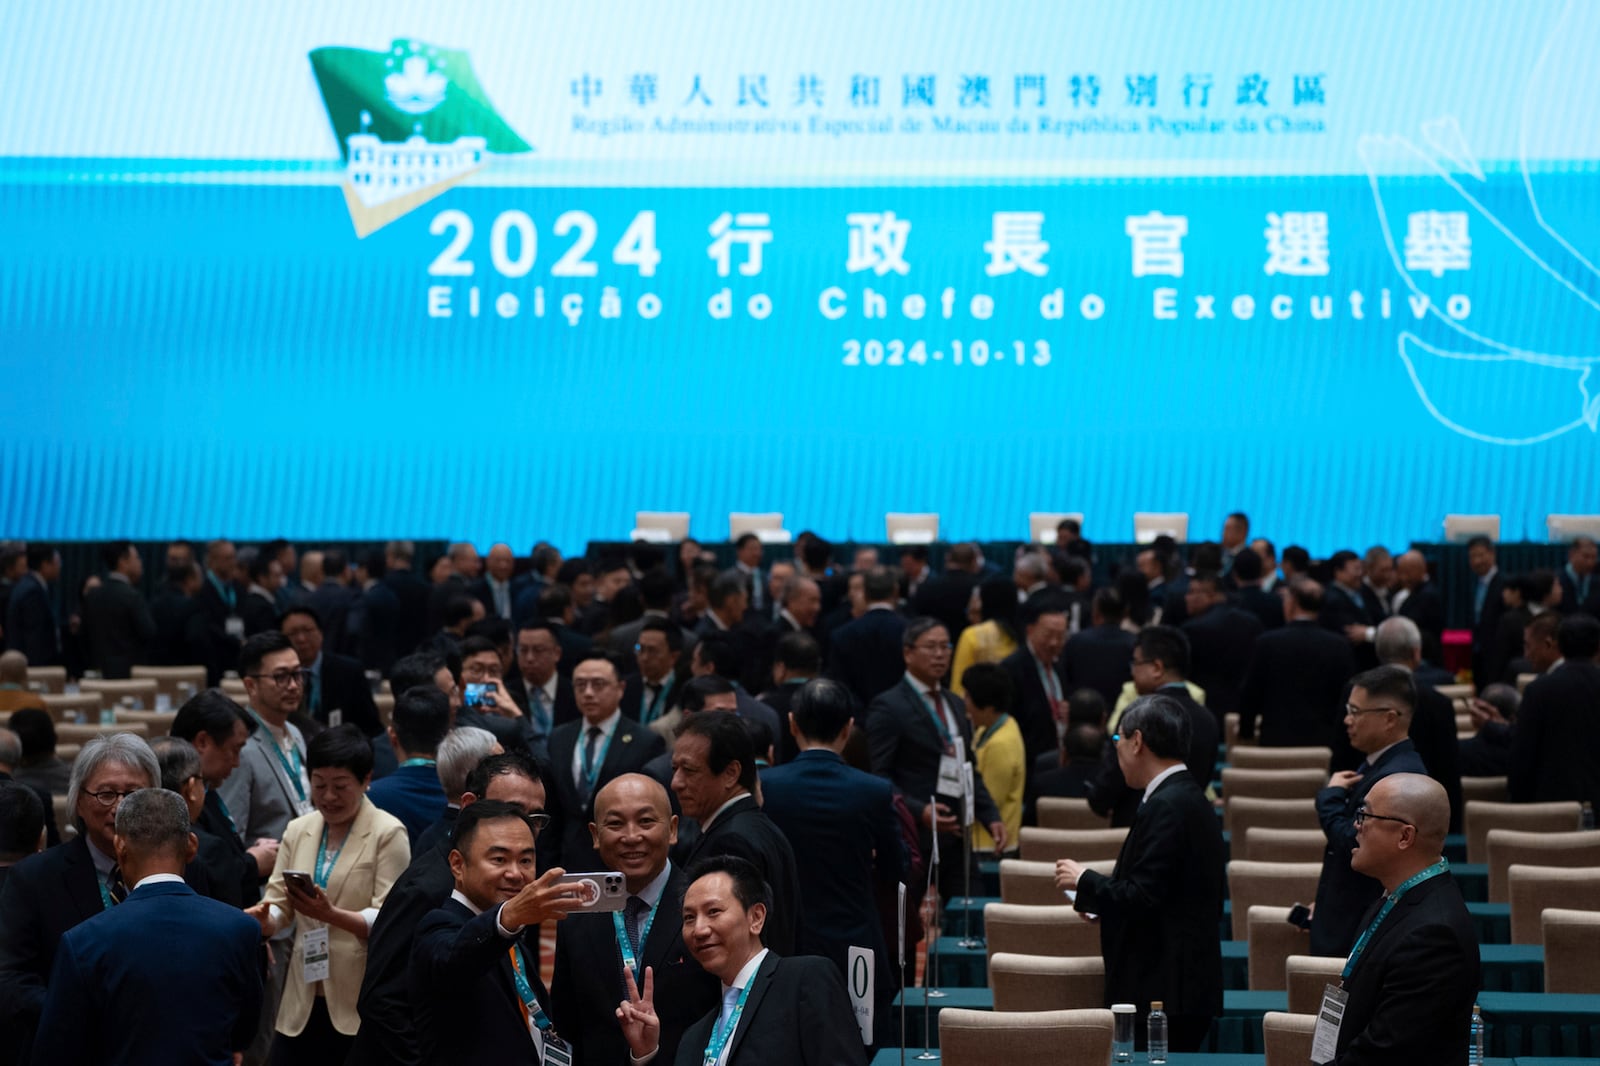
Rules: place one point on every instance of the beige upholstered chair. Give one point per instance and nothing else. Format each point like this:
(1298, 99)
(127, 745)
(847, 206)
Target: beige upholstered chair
(1266, 844)
(48, 678)
(1482, 816)
(1029, 883)
(1059, 812)
(1271, 884)
(1282, 759)
(1455, 692)
(62, 708)
(158, 723)
(82, 734)
(1571, 948)
(662, 527)
(384, 702)
(1287, 1038)
(1484, 789)
(142, 693)
(1273, 784)
(1039, 930)
(1084, 845)
(1307, 975)
(1230, 734)
(1536, 888)
(1039, 982)
(983, 1038)
(1508, 846)
(172, 679)
(1241, 813)
(1272, 940)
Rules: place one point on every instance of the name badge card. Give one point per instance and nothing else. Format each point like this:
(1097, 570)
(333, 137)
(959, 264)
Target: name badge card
(314, 955)
(1325, 1040)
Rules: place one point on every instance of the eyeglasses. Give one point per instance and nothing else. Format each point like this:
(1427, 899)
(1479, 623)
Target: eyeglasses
(931, 647)
(284, 678)
(110, 797)
(537, 822)
(1362, 815)
(1356, 712)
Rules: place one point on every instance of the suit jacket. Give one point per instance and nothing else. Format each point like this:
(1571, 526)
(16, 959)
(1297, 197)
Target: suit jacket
(411, 794)
(31, 626)
(633, 697)
(439, 597)
(945, 597)
(1412, 988)
(1487, 622)
(1220, 643)
(797, 1014)
(1341, 608)
(463, 992)
(1571, 597)
(343, 687)
(867, 657)
(1110, 794)
(411, 620)
(1160, 908)
(1433, 733)
(1294, 683)
(437, 835)
(781, 699)
(222, 649)
(1555, 752)
(373, 627)
(746, 831)
(180, 628)
(1342, 894)
(259, 793)
(587, 983)
(260, 613)
(231, 869)
(566, 706)
(1425, 607)
(388, 1032)
(120, 628)
(752, 642)
(114, 975)
(1097, 658)
(906, 748)
(1072, 781)
(1267, 608)
(566, 841)
(332, 600)
(374, 855)
(1030, 703)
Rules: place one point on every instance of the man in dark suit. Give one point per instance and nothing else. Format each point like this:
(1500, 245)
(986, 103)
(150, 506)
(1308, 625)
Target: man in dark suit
(372, 628)
(476, 993)
(775, 1011)
(1097, 657)
(1580, 584)
(865, 653)
(634, 828)
(1221, 639)
(796, 659)
(180, 624)
(1078, 769)
(555, 605)
(840, 823)
(1040, 699)
(749, 637)
(946, 595)
(1160, 907)
(1377, 719)
(1433, 720)
(1555, 752)
(22, 821)
(494, 588)
(538, 687)
(410, 595)
(1343, 604)
(118, 623)
(388, 1035)
(1246, 576)
(258, 607)
(1296, 676)
(919, 735)
(1418, 600)
(109, 997)
(1160, 664)
(31, 625)
(219, 729)
(1488, 586)
(1412, 984)
(584, 755)
(218, 600)
(714, 778)
(337, 692)
(332, 599)
(652, 691)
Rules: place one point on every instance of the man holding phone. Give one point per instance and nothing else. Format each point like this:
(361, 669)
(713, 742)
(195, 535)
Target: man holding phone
(413, 793)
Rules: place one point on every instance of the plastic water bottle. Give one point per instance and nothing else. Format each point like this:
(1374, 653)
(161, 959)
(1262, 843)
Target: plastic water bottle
(1156, 1032)
(1475, 1040)
(1588, 815)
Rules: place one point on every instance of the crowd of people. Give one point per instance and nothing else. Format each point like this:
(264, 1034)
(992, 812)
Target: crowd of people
(765, 752)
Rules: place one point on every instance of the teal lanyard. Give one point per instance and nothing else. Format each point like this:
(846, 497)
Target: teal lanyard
(227, 592)
(292, 770)
(519, 970)
(720, 1035)
(1435, 870)
(938, 719)
(649, 712)
(420, 762)
(591, 774)
(326, 862)
(106, 902)
(988, 734)
(628, 958)
(224, 808)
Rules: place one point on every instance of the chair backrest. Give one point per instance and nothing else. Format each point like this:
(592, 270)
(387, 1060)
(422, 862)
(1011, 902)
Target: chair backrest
(982, 1037)
(1273, 784)
(1245, 758)
(1482, 816)
(1270, 940)
(1571, 945)
(1535, 888)
(1263, 843)
(178, 682)
(1509, 846)
(1042, 524)
(158, 723)
(1038, 982)
(910, 528)
(1039, 930)
(1560, 528)
(63, 707)
(141, 692)
(1061, 812)
(1455, 692)
(661, 525)
(767, 525)
(1084, 845)
(1287, 1037)
(1460, 528)
(384, 702)
(1307, 975)
(1029, 883)
(1148, 525)
(48, 678)
(67, 733)
(1241, 812)
(1271, 884)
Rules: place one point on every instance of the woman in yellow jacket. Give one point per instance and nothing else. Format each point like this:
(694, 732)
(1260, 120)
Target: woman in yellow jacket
(992, 639)
(998, 749)
(334, 870)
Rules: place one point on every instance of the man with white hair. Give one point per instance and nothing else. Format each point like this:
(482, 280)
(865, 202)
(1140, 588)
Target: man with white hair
(1433, 721)
(461, 749)
(52, 892)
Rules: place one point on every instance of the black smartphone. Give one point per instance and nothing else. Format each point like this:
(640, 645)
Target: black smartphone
(1300, 915)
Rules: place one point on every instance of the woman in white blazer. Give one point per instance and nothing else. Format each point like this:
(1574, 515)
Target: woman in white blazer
(350, 853)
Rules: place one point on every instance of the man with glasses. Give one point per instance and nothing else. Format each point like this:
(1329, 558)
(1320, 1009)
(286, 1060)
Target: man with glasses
(652, 692)
(537, 685)
(1377, 720)
(1412, 976)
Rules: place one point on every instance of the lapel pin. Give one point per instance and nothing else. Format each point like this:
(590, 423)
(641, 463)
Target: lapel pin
(627, 738)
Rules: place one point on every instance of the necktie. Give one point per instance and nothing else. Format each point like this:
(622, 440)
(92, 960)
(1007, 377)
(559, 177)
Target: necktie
(541, 714)
(115, 886)
(937, 700)
(315, 695)
(632, 915)
(1478, 595)
(585, 785)
(730, 1000)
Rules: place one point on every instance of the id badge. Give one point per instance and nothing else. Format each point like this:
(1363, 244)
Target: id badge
(951, 778)
(314, 955)
(556, 1051)
(1325, 1040)
(234, 627)
(335, 718)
